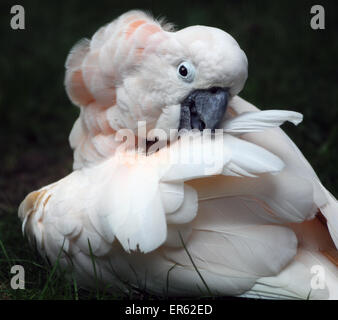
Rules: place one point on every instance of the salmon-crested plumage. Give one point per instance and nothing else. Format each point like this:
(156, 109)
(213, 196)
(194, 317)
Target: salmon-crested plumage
(233, 210)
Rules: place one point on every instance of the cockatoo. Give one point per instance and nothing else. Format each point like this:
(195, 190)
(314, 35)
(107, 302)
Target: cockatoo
(237, 212)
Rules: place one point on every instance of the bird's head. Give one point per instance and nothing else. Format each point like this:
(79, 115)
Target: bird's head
(188, 79)
(138, 69)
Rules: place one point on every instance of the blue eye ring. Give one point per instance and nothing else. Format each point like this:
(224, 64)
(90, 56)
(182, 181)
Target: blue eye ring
(186, 71)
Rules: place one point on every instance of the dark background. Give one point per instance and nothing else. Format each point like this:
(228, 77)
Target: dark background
(291, 67)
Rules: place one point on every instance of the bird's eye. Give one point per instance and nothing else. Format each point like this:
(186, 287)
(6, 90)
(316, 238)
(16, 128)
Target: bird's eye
(186, 71)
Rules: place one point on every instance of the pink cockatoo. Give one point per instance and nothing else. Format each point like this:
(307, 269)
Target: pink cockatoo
(249, 218)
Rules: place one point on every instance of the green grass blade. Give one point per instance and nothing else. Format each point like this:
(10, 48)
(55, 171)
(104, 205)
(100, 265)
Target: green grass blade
(52, 272)
(94, 269)
(193, 263)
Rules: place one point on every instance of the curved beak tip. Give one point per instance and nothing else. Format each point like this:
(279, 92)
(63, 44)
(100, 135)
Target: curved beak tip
(204, 109)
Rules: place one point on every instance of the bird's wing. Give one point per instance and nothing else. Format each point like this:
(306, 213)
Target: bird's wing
(297, 168)
(145, 194)
(56, 216)
(227, 250)
(230, 166)
(312, 274)
(224, 154)
(134, 201)
(131, 207)
(145, 204)
(104, 202)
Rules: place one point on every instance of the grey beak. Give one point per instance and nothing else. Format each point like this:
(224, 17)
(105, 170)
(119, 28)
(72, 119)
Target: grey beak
(204, 109)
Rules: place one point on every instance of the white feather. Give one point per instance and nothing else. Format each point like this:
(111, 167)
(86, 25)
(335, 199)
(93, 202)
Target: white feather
(260, 121)
(226, 216)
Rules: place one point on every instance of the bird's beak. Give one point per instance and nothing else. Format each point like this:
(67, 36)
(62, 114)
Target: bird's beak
(204, 109)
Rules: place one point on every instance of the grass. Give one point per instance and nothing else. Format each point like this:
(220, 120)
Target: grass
(291, 66)
(195, 267)
(41, 281)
